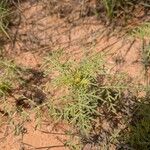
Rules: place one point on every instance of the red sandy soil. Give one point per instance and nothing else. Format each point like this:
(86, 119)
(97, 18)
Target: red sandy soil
(39, 33)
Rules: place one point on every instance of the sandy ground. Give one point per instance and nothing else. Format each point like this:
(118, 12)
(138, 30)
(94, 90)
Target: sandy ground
(38, 33)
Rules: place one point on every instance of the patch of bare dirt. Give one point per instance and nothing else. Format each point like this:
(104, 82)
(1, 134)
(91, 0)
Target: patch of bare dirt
(49, 136)
(28, 60)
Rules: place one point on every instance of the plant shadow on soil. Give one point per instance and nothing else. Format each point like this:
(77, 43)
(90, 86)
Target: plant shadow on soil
(43, 32)
(134, 135)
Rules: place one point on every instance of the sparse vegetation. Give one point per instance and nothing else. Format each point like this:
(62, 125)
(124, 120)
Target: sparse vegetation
(146, 56)
(97, 98)
(142, 31)
(8, 77)
(81, 101)
(139, 137)
(91, 92)
(121, 12)
(4, 12)
(112, 6)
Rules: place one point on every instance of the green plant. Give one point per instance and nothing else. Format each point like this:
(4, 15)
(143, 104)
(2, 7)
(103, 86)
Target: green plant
(146, 56)
(89, 86)
(80, 80)
(139, 137)
(4, 12)
(9, 74)
(116, 7)
(121, 12)
(110, 6)
(142, 31)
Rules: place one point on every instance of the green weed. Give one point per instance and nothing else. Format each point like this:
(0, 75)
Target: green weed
(4, 12)
(9, 76)
(139, 137)
(146, 56)
(122, 9)
(115, 7)
(89, 87)
(110, 7)
(142, 31)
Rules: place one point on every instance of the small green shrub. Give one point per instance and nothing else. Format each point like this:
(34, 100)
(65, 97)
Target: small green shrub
(89, 87)
(80, 79)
